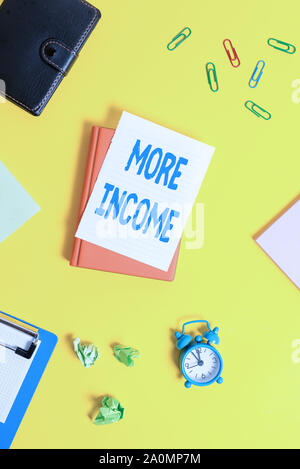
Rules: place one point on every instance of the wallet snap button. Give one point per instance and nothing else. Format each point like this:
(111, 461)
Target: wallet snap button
(57, 55)
(50, 51)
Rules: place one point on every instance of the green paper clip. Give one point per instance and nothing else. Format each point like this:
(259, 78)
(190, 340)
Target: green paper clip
(210, 68)
(265, 114)
(288, 48)
(179, 38)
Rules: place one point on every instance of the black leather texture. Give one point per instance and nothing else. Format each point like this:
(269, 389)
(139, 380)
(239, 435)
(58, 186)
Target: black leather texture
(39, 42)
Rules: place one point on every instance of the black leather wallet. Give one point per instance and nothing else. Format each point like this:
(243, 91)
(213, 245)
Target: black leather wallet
(39, 42)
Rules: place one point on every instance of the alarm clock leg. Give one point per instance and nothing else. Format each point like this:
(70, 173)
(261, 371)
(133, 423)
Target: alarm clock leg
(220, 380)
(188, 384)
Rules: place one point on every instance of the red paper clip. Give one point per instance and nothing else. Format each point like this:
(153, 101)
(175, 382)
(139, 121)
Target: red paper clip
(232, 55)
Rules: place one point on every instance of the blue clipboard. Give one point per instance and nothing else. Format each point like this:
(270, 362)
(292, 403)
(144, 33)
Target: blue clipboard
(47, 344)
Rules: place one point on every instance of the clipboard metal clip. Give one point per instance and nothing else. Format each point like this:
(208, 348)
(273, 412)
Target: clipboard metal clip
(30, 331)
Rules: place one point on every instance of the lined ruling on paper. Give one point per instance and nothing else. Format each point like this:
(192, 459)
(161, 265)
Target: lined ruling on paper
(145, 191)
(13, 368)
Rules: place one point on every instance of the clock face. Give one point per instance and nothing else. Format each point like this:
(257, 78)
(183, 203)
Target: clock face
(201, 364)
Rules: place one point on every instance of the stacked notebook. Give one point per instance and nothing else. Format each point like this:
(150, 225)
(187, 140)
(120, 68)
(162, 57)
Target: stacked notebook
(91, 256)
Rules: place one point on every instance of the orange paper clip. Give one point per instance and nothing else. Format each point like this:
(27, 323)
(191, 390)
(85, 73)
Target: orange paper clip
(232, 54)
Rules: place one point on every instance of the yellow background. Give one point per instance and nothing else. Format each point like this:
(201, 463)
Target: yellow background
(230, 282)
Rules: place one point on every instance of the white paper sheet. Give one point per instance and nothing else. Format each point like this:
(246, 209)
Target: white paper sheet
(281, 241)
(169, 194)
(13, 368)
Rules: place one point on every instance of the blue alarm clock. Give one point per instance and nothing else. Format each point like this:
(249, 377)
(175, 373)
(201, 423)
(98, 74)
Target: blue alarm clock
(201, 364)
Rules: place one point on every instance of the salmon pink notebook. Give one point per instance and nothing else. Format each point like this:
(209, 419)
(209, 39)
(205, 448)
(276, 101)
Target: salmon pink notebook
(89, 255)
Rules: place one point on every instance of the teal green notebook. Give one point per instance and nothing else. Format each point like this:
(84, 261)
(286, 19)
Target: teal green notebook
(16, 205)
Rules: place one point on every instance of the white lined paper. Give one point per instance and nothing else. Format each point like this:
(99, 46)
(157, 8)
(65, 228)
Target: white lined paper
(13, 368)
(110, 234)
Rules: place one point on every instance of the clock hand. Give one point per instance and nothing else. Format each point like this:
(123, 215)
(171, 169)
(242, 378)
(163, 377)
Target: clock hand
(199, 361)
(192, 366)
(195, 357)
